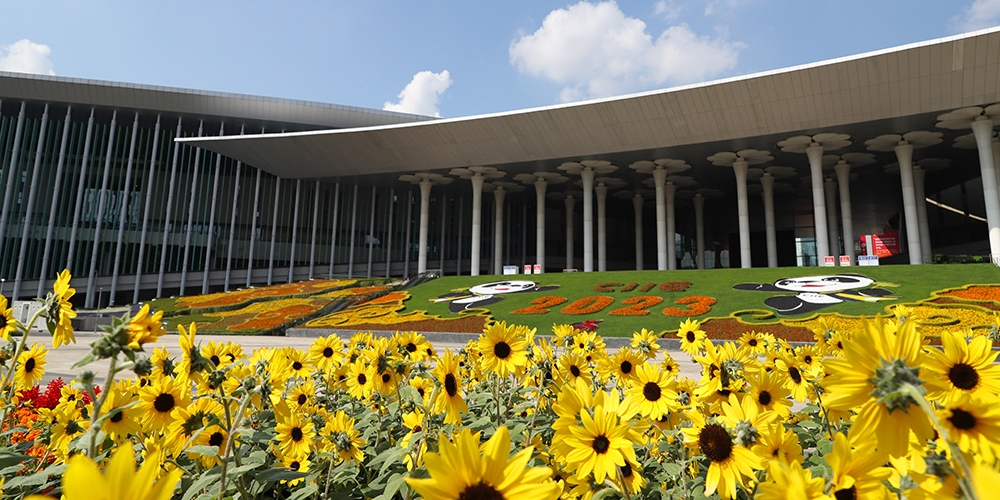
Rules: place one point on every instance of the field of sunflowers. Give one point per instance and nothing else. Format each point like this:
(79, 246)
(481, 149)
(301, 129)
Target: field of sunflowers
(870, 412)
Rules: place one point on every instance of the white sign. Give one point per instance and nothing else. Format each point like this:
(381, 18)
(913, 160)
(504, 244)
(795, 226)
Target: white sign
(867, 260)
(829, 261)
(510, 270)
(527, 269)
(538, 269)
(845, 260)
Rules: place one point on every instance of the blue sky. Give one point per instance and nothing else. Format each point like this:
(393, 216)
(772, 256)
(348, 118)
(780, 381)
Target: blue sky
(498, 56)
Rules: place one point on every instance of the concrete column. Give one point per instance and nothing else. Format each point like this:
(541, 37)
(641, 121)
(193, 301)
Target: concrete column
(371, 233)
(99, 215)
(540, 222)
(669, 192)
(333, 230)
(660, 176)
(982, 128)
(237, 193)
(210, 237)
(274, 231)
(12, 175)
(815, 154)
(588, 219)
(425, 215)
(921, 198)
(743, 207)
(830, 190)
(637, 203)
(315, 228)
(904, 153)
(847, 219)
(477, 222)
(190, 218)
(570, 205)
(388, 238)
(30, 205)
(498, 195)
(145, 211)
(767, 183)
(83, 182)
(60, 165)
(295, 229)
(122, 215)
(699, 223)
(253, 227)
(602, 227)
(409, 232)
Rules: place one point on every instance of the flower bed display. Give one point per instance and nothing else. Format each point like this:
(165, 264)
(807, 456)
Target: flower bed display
(382, 313)
(871, 411)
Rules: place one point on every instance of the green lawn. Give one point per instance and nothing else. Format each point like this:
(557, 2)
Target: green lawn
(914, 283)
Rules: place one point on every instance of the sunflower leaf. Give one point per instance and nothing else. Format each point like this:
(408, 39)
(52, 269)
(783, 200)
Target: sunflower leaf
(278, 474)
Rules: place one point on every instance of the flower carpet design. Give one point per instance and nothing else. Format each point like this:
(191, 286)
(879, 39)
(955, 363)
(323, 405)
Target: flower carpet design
(865, 410)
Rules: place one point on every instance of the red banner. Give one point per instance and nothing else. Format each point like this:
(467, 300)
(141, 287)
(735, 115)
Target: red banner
(885, 244)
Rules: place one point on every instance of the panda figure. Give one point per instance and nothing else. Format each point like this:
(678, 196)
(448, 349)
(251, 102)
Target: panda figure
(485, 294)
(813, 293)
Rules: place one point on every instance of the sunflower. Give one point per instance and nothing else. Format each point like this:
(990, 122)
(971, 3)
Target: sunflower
(424, 388)
(792, 482)
(449, 399)
(163, 363)
(143, 328)
(973, 424)
(767, 390)
(159, 399)
(621, 365)
(731, 464)
(503, 351)
(573, 366)
(326, 353)
(83, 479)
(589, 344)
(60, 316)
(598, 444)
(644, 342)
(298, 362)
(788, 369)
(650, 393)
(963, 367)
(122, 420)
(778, 445)
(835, 344)
(413, 344)
(462, 471)
(212, 435)
(293, 464)
(7, 322)
(295, 435)
(385, 382)
(809, 358)
(30, 366)
(563, 335)
(360, 380)
(631, 475)
(856, 473)
(65, 423)
(877, 367)
(302, 395)
(414, 422)
(756, 342)
(189, 420)
(692, 337)
(216, 353)
(746, 417)
(341, 438)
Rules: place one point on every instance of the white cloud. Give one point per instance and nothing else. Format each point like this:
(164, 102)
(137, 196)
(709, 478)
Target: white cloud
(597, 51)
(26, 56)
(667, 9)
(420, 96)
(981, 14)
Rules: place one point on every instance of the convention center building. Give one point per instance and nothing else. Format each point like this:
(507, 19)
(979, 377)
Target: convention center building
(144, 191)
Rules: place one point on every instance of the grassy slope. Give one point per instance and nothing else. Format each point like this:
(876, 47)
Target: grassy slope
(915, 283)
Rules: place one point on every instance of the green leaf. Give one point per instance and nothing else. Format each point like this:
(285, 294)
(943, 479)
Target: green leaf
(808, 424)
(204, 450)
(8, 459)
(35, 479)
(203, 482)
(671, 469)
(396, 481)
(278, 474)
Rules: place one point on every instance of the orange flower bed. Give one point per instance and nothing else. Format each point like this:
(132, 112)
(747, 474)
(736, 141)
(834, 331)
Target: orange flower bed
(975, 292)
(696, 306)
(267, 315)
(638, 307)
(588, 305)
(538, 306)
(605, 287)
(240, 296)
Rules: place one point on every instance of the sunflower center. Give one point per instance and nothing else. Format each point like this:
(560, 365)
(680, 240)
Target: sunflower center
(651, 391)
(216, 439)
(386, 378)
(295, 465)
(963, 376)
(715, 442)
(626, 367)
(296, 366)
(411, 347)
(417, 428)
(362, 379)
(808, 359)
(793, 372)
(601, 444)
(29, 365)
(450, 385)
(301, 400)
(3, 321)
(752, 343)
(764, 398)
(501, 350)
(327, 352)
(962, 419)
(420, 391)
(575, 370)
(846, 494)
(164, 403)
(690, 337)
(296, 434)
(626, 472)
(480, 491)
(117, 417)
(215, 360)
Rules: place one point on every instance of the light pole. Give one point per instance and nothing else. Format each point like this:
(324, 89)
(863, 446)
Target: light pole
(100, 293)
(1, 285)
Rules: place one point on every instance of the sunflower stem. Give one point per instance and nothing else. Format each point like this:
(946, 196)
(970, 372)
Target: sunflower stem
(229, 442)
(95, 424)
(912, 391)
(621, 481)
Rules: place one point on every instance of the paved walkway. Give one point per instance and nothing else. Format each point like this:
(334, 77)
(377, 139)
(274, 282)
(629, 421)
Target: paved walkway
(59, 362)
